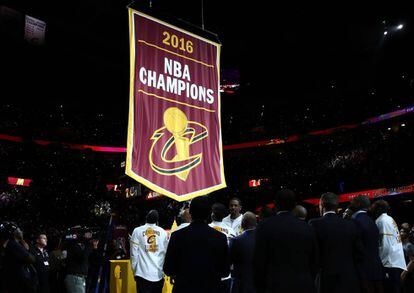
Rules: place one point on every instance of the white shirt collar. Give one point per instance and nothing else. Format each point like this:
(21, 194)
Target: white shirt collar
(328, 212)
(216, 222)
(357, 213)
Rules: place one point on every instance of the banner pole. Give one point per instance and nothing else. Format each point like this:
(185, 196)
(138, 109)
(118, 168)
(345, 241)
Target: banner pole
(202, 14)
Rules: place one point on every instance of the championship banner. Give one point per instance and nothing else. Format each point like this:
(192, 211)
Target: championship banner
(174, 129)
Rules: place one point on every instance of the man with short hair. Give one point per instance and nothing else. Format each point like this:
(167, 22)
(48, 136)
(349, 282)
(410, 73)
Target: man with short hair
(407, 245)
(285, 255)
(197, 256)
(148, 247)
(339, 248)
(390, 247)
(218, 212)
(406, 226)
(42, 261)
(370, 267)
(184, 219)
(242, 252)
(235, 217)
(300, 212)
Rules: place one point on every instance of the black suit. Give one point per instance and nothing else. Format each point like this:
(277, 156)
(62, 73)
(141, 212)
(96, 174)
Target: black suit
(42, 267)
(370, 268)
(339, 250)
(197, 258)
(242, 252)
(285, 255)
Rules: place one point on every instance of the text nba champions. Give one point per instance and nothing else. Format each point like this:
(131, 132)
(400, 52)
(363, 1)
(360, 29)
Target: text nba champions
(176, 78)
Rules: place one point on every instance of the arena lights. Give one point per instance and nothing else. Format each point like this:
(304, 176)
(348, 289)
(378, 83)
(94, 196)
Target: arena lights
(254, 183)
(257, 182)
(152, 195)
(373, 193)
(114, 187)
(19, 181)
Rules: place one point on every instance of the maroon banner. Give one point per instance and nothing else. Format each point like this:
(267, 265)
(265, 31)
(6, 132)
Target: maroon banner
(174, 132)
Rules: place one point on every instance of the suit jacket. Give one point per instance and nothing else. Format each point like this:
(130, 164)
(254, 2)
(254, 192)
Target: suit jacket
(197, 258)
(285, 257)
(339, 250)
(242, 252)
(370, 268)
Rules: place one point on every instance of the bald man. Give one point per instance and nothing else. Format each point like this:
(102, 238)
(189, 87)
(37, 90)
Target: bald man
(300, 212)
(241, 251)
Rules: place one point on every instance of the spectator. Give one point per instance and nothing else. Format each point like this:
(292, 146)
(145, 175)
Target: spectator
(4, 239)
(148, 246)
(242, 252)
(407, 276)
(405, 226)
(42, 262)
(57, 259)
(77, 263)
(405, 240)
(339, 248)
(95, 262)
(285, 256)
(370, 268)
(300, 212)
(234, 219)
(20, 275)
(390, 247)
(197, 256)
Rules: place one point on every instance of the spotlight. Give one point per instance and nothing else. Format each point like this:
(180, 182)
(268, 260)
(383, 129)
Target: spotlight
(385, 33)
(400, 26)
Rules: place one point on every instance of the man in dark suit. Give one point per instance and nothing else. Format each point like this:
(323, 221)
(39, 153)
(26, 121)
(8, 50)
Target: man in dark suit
(197, 256)
(370, 268)
(285, 257)
(242, 252)
(339, 248)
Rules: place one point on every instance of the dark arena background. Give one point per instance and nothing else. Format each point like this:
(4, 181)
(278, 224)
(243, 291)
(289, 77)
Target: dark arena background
(311, 101)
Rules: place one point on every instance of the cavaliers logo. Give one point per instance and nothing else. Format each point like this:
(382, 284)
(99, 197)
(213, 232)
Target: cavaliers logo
(151, 235)
(170, 150)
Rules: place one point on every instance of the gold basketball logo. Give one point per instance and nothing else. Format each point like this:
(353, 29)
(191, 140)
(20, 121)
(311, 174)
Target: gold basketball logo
(151, 235)
(118, 279)
(178, 134)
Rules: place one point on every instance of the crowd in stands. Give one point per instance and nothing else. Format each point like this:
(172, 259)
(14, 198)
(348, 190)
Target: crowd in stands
(368, 158)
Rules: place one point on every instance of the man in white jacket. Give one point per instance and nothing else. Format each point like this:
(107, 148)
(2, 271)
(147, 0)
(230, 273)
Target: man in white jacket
(390, 247)
(148, 247)
(234, 219)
